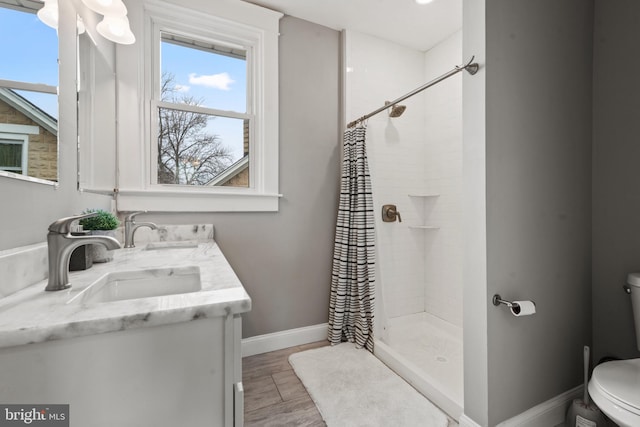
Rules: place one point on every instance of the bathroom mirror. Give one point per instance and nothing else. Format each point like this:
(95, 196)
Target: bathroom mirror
(28, 94)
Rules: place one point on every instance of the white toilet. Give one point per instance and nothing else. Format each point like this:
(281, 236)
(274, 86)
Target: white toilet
(615, 386)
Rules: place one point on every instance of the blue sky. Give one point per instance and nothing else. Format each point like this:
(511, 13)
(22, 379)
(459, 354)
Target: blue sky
(218, 81)
(31, 56)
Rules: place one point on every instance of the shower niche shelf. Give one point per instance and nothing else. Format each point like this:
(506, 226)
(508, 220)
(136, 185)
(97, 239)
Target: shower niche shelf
(424, 196)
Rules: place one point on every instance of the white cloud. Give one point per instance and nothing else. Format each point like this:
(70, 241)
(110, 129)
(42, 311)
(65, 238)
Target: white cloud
(220, 81)
(182, 88)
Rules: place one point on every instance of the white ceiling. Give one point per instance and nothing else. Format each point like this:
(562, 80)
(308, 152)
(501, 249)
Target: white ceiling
(401, 21)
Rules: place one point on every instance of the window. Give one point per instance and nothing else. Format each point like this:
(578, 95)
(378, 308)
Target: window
(28, 92)
(13, 153)
(210, 110)
(204, 126)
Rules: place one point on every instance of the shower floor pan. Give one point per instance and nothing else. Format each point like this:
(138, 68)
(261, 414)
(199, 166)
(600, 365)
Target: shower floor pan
(427, 353)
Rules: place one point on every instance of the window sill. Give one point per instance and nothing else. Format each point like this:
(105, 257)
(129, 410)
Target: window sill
(27, 178)
(196, 201)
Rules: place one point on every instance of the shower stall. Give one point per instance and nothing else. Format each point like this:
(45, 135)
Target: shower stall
(415, 160)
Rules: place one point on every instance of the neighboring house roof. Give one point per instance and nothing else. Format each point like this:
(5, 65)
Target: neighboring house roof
(23, 5)
(30, 110)
(231, 171)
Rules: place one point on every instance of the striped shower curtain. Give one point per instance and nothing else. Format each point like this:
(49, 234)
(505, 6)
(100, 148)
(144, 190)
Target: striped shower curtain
(352, 280)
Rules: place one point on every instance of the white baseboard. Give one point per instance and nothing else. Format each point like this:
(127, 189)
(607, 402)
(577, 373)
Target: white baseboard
(283, 339)
(549, 413)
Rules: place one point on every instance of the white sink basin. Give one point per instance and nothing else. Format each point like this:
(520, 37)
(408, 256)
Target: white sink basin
(171, 245)
(127, 285)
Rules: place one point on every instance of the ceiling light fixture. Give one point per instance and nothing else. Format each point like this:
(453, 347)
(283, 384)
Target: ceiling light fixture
(106, 7)
(48, 14)
(115, 24)
(116, 28)
(423, 1)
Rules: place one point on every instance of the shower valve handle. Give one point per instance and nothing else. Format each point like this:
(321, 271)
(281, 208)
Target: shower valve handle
(390, 213)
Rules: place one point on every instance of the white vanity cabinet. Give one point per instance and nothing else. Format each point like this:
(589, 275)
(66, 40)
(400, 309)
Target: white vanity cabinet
(181, 374)
(162, 361)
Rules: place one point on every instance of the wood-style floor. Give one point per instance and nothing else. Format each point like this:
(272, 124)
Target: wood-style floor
(273, 394)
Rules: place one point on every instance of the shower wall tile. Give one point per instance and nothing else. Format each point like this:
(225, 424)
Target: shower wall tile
(381, 71)
(443, 175)
(419, 152)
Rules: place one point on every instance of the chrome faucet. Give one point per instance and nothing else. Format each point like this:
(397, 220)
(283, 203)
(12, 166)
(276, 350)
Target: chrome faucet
(130, 227)
(61, 244)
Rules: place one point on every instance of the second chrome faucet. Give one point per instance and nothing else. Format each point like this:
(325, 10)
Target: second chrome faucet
(130, 227)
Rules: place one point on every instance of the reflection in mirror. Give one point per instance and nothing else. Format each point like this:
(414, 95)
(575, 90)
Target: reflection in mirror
(28, 93)
(86, 79)
(96, 109)
(203, 122)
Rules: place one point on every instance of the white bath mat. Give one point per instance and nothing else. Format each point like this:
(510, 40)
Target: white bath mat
(352, 388)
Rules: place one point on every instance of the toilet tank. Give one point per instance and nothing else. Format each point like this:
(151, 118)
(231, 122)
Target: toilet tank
(634, 284)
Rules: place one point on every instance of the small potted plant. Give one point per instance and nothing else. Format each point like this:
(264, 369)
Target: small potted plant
(105, 224)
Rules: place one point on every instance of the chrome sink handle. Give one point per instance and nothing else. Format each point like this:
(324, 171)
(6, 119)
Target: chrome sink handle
(63, 225)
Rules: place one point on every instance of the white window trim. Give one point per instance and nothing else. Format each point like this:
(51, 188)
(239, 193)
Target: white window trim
(21, 129)
(31, 87)
(253, 28)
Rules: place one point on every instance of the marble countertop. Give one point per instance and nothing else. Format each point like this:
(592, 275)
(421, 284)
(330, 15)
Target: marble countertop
(32, 315)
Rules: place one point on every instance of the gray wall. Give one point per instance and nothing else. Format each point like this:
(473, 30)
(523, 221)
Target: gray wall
(538, 149)
(538, 201)
(284, 259)
(616, 175)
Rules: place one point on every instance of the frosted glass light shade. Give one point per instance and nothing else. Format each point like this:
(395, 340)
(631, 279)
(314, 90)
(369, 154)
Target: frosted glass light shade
(80, 25)
(116, 28)
(106, 7)
(49, 13)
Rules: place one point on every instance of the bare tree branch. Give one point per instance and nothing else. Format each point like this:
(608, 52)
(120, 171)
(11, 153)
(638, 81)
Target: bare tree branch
(187, 153)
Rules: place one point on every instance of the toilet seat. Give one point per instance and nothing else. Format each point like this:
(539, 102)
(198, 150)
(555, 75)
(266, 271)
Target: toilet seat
(615, 388)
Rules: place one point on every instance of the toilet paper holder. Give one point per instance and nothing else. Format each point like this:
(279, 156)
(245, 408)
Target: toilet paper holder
(514, 306)
(497, 300)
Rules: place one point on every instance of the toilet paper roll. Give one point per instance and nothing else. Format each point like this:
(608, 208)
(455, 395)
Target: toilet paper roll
(523, 308)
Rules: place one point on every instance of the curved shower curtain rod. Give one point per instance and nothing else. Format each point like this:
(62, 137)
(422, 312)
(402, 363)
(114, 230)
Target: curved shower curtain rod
(471, 67)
